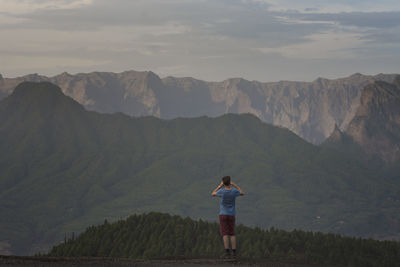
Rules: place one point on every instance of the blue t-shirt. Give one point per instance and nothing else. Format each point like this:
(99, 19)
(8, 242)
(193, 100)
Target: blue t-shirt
(227, 204)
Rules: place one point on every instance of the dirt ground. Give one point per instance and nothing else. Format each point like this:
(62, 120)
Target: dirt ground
(26, 261)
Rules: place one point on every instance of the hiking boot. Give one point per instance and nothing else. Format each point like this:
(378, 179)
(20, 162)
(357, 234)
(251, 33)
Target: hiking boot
(226, 255)
(234, 251)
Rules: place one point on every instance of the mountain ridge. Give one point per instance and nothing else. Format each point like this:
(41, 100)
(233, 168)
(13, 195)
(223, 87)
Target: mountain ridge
(310, 109)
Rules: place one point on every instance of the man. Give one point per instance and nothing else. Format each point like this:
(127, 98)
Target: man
(227, 191)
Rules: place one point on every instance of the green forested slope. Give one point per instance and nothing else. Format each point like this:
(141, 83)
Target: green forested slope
(63, 168)
(158, 235)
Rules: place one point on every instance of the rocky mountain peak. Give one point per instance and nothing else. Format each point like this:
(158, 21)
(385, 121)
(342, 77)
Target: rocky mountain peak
(376, 124)
(378, 97)
(151, 75)
(321, 82)
(186, 83)
(65, 74)
(33, 77)
(356, 75)
(152, 81)
(234, 82)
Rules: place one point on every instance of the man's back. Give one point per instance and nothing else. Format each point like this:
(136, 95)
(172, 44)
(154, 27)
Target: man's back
(228, 197)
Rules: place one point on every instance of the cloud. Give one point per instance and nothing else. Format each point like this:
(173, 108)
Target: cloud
(387, 37)
(7, 20)
(329, 6)
(42, 62)
(380, 20)
(327, 45)
(373, 27)
(208, 39)
(28, 6)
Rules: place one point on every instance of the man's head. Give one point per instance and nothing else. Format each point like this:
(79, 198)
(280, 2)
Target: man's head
(226, 180)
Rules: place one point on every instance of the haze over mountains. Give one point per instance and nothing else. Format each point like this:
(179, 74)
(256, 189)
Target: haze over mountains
(63, 168)
(309, 109)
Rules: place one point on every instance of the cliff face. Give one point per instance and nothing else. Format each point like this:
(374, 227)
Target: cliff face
(376, 124)
(310, 109)
(129, 92)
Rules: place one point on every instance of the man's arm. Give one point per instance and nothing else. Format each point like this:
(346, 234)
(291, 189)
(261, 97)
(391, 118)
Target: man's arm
(238, 188)
(214, 193)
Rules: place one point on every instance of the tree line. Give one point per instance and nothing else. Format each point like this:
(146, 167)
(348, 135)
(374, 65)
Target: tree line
(160, 235)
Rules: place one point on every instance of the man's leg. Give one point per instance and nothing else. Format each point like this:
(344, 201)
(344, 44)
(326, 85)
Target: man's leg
(226, 241)
(233, 242)
(224, 233)
(232, 236)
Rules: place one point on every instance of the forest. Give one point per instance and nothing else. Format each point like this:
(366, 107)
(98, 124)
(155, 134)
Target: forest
(160, 235)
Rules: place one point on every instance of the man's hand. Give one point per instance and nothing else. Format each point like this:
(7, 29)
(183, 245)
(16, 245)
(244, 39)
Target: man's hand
(238, 188)
(214, 193)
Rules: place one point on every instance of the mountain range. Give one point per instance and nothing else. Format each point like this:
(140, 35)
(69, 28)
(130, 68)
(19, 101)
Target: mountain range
(63, 168)
(309, 109)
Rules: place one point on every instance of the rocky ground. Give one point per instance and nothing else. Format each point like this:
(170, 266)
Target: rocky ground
(27, 261)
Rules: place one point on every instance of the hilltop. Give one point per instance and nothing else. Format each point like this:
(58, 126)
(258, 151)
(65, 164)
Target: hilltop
(157, 235)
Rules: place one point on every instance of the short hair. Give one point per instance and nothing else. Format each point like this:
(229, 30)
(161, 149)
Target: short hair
(226, 180)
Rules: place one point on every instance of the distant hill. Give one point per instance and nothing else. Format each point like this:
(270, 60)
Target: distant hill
(375, 128)
(309, 109)
(157, 235)
(63, 168)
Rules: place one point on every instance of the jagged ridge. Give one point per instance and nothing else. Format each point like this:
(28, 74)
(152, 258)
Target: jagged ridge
(309, 109)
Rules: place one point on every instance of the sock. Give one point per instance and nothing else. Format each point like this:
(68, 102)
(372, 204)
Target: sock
(227, 250)
(234, 251)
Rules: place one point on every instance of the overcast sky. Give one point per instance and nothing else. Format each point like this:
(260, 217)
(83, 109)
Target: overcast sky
(265, 40)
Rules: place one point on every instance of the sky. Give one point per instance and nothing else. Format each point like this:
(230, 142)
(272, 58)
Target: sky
(264, 40)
